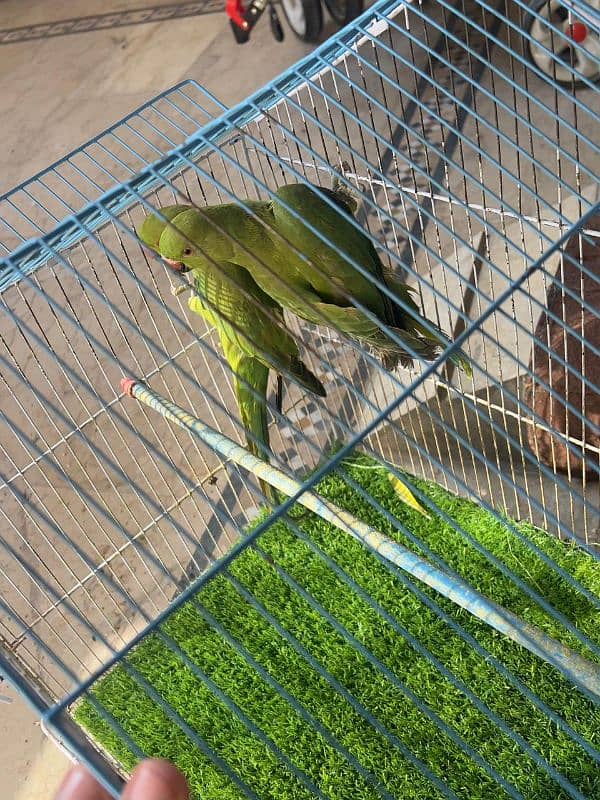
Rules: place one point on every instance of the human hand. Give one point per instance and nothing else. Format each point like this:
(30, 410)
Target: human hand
(151, 780)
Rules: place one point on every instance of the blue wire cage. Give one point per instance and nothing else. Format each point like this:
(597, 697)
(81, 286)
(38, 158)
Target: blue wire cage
(468, 133)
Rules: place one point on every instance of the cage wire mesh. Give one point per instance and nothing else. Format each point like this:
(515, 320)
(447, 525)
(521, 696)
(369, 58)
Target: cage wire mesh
(472, 149)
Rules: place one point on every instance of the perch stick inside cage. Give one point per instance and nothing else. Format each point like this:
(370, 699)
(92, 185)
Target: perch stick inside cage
(584, 673)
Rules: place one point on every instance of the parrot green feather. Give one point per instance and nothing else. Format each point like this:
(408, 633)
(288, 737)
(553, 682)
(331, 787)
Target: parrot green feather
(153, 225)
(304, 274)
(251, 330)
(253, 342)
(228, 297)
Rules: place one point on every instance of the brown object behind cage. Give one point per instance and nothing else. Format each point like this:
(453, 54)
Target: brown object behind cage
(549, 371)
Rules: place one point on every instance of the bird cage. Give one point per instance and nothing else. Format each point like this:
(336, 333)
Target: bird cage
(416, 616)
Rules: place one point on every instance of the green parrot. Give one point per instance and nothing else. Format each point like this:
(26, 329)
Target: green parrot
(267, 240)
(251, 330)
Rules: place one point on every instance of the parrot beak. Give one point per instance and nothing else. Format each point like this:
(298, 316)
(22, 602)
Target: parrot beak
(178, 266)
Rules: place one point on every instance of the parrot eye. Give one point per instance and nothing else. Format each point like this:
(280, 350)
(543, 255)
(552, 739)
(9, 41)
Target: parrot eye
(187, 251)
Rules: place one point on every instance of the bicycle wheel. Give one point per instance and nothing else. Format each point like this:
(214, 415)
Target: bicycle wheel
(304, 17)
(343, 11)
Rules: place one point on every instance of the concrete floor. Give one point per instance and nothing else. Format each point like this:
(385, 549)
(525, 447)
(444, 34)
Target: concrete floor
(55, 94)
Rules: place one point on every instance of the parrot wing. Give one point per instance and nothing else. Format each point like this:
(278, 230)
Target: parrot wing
(332, 277)
(252, 320)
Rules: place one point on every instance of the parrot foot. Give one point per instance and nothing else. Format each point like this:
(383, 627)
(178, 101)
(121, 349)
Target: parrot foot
(177, 290)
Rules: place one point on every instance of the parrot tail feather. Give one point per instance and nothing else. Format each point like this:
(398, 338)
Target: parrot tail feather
(392, 353)
(426, 345)
(302, 375)
(250, 379)
(459, 357)
(279, 395)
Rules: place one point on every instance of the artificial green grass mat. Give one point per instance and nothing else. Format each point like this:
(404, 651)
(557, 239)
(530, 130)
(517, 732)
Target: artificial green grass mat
(291, 580)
